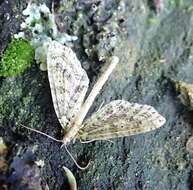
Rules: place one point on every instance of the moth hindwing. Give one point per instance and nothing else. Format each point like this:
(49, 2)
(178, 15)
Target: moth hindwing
(120, 118)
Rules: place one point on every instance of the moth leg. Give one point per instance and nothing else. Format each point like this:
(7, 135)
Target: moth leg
(85, 142)
(101, 105)
(89, 141)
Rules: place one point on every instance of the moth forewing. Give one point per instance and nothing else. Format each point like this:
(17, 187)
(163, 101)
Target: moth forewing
(68, 82)
(119, 119)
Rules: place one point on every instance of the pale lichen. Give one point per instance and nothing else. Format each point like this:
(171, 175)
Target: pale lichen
(40, 28)
(185, 91)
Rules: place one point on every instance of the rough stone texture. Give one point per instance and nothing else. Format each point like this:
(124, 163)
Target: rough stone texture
(154, 48)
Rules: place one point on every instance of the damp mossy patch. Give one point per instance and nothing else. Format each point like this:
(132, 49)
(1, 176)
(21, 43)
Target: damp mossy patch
(18, 56)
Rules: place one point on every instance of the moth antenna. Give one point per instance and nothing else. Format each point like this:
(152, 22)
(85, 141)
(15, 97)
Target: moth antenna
(78, 166)
(34, 130)
(57, 140)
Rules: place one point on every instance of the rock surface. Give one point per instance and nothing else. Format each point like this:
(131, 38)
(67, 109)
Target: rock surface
(153, 47)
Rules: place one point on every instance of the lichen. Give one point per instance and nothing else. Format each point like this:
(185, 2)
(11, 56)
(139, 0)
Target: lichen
(17, 57)
(40, 28)
(103, 39)
(185, 91)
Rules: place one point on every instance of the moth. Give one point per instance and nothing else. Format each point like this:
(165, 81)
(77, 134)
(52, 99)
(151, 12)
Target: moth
(69, 84)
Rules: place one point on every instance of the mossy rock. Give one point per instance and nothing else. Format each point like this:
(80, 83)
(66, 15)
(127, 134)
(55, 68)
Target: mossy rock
(17, 57)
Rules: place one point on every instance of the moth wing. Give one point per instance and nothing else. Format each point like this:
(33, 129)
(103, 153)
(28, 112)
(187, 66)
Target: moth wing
(118, 119)
(68, 82)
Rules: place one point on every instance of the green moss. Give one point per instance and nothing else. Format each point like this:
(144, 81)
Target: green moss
(16, 58)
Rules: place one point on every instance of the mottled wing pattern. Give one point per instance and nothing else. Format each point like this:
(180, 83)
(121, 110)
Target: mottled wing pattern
(118, 119)
(68, 82)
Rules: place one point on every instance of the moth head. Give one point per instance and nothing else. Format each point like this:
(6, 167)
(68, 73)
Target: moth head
(66, 140)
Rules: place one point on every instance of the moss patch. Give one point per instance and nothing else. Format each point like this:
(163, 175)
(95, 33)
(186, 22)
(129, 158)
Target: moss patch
(16, 58)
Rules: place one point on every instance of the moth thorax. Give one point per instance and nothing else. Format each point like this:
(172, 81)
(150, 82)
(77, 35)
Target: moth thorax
(71, 134)
(66, 140)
